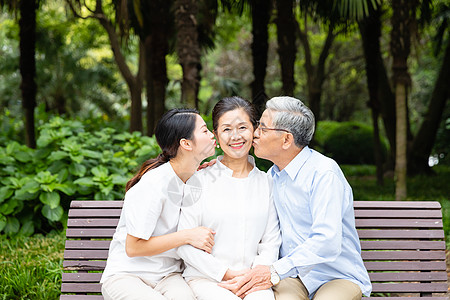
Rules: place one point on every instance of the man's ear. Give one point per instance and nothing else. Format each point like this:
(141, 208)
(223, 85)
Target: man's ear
(288, 141)
(186, 144)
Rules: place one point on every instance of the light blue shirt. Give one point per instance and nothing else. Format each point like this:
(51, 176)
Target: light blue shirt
(314, 203)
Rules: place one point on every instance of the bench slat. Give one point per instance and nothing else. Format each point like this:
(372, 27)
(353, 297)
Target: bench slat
(401, 234)
(92, 222)
(81, 277)
(81, 287)
(409, 287)
(80, 244)
(397, 204)
(405, 266)
(403, 255)
(394, 223)
(95, 203)
(90, 232)
(402, 245)
(93, 212)
(409, 276)
(403, 298)
(82, 297)
(404, 213)
(84, 265)
(85, 254)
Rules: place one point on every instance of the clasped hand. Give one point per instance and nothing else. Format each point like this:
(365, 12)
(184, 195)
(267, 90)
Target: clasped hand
(254, 280)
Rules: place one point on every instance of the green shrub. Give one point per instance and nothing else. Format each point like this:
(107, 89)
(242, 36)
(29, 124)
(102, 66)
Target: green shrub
(323, 130)
(351, 143)
(68, 163)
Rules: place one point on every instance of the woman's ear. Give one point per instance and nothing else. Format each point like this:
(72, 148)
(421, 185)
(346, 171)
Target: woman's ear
(186, 144)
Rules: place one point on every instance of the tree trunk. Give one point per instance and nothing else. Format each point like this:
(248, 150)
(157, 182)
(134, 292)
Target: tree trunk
(370, 29)
(400, 48)
(315, 72)
(27, 35)
(156, 75)
(136, 93)
(286, 44)
(426, 136)
(260, 10)
(188, 50)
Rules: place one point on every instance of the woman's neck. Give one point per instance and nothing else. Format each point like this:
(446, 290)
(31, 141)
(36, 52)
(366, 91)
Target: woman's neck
(184, 167)
(240, 166)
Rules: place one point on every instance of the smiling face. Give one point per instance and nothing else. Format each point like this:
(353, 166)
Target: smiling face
(204, 143)
(235, 133)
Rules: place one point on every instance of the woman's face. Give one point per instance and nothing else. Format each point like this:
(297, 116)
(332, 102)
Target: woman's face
(204, 143)
(235, 133)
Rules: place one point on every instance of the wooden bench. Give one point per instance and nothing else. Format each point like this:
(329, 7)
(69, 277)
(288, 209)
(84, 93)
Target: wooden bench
(402, 242)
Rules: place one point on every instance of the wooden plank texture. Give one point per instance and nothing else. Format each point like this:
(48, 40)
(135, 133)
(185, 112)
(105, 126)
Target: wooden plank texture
(402, 241)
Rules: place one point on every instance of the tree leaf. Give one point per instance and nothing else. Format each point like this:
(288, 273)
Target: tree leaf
(54, 214)
(51, 199)
(22, 156)
(67, 188)
(100, 171)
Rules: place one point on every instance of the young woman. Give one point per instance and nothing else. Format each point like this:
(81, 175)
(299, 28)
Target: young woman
(142, 261)
(234, 200)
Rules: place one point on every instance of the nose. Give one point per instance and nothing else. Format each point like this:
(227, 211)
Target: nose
(256, 133)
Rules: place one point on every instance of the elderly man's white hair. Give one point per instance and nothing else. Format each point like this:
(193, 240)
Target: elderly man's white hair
(291, 114)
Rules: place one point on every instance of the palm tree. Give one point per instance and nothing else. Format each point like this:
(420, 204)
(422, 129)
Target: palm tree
(27, 45)
(188, 49)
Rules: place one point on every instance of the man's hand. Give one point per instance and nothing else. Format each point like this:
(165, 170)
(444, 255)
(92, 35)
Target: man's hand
(257, 279)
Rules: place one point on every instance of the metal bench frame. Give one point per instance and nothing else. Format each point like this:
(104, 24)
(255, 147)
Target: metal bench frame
(403, 248)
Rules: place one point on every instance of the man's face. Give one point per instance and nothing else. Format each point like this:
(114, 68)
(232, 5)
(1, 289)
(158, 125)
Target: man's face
(267, 142)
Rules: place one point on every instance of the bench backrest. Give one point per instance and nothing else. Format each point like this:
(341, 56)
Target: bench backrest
(402, 242)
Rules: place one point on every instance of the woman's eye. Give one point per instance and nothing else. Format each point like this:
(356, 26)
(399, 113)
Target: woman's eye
(226, 129)
(242, 127)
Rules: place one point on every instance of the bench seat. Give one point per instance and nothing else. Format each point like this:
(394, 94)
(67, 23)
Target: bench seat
(403, 248)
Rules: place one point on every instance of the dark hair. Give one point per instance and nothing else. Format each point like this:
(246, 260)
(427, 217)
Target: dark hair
(174, 125)
(231, 103)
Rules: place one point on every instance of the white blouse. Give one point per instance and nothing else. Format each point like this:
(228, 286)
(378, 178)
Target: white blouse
(151, 208)
(240, 211)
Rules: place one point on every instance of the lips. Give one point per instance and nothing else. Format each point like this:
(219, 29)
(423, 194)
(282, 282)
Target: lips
(237, 146)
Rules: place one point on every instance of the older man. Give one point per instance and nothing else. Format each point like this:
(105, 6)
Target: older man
(320, 254)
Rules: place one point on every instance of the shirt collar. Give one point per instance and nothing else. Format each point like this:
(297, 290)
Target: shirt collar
(294, 165)
(228, 171)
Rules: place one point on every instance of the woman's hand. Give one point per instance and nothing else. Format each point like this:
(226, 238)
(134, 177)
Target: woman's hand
(230, 274)
(207, 164)
(202, 238)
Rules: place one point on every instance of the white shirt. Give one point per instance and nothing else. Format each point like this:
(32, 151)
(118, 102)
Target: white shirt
(240, 211)
(151, 208)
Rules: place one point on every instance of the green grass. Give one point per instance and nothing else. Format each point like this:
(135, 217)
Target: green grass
(30, 267)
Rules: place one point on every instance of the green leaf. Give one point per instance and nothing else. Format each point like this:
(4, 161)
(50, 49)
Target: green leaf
(44, 139)
(31, 186)
(78, 170)
(27, 228)
(91, 154)
(53, 214)
(12, 226)
(58, 155)
(100, 171)
(6, 160)
(51, 199)
(22, 194)
(67, 188)
(85, 181)
(22, 156)
(2, 222)
(119, 180)
(8, 207)
(5, 193)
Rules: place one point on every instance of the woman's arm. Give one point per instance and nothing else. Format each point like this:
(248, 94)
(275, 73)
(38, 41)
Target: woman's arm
(199, 237)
